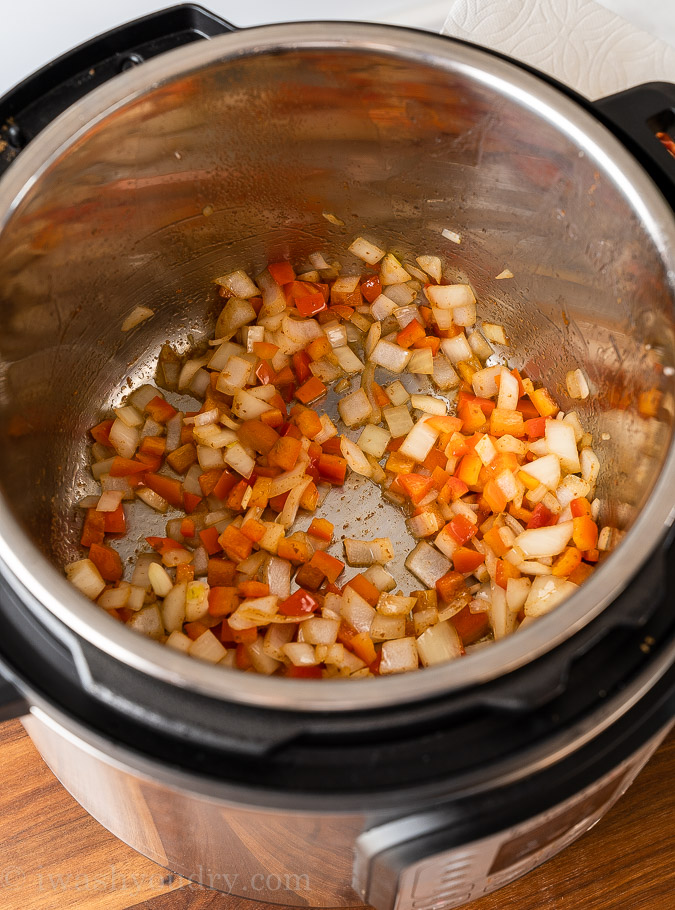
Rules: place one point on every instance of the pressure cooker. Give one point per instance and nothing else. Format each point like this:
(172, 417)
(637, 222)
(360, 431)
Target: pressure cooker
(133, 181)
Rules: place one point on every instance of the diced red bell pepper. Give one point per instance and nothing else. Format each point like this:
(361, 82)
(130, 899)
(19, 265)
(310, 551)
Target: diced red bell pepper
(282, 272)
(333, 469)
(541, 517)
(535, 427)
(124, 467)
(265, 373)
(579, 507)
(209, 538)
(101, 432)
(190, 502)
(303, 672)
(167, 488)
(301, 362)
(226, 481)
(462, 529)
(310, 304)
(471, 626)
(415, 486)
(115, 522)
(301, 603)
(371, 288)
(452, 490)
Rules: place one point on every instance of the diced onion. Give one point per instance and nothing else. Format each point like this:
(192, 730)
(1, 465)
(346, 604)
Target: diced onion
(366, 250)
(547, 541)
(138, 315)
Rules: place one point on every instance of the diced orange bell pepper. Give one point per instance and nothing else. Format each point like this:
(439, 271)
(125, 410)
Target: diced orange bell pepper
(493, 539)
(429, 341)
(107, 561)
(579, 507)
(413, 332)
(257, 435)
(221, 571)
(466, 560)
(285, 453)
(265, 349)
(93, 531)
(567, 562)
(310, 391)
(194, 629)
(543, 402)
(222, 601)
(494, 497)
(365, 588)
(125, 467)
(153, 445)
(187, 527)
(585, 533)
(471, 415)
(160, 409)
(260, 493)
(445, 424)
(362, 645)
(318, 348)
(468, 470)
(310, 497)
(321, 529)
(503, 422)
(190, 502)
(535, 428)
(253, 589)
(294, 550)
(449, 585)
(236, 545)
(329, 565)
(235, 498)
(309, 423)
(581, 573)
(503, 571)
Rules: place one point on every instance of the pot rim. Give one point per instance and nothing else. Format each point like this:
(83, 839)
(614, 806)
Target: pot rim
(23, 560)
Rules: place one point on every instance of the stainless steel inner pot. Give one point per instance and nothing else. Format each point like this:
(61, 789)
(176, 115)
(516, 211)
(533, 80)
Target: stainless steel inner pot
(229, 154)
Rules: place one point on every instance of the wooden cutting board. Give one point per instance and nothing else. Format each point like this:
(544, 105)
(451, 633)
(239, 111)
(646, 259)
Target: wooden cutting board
(53, 855)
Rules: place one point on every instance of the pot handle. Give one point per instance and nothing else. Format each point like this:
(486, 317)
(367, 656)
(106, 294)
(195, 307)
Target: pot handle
(636, 116)
(30, 106)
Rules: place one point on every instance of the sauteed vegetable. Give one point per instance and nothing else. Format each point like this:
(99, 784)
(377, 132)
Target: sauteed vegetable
(496, 482)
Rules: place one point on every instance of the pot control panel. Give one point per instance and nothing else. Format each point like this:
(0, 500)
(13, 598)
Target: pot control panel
(416, 863)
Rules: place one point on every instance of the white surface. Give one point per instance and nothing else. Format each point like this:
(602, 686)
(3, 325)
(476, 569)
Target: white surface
(33, 32)
(579, 42)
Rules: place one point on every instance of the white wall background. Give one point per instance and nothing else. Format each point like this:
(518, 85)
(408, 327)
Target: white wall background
(33, 32)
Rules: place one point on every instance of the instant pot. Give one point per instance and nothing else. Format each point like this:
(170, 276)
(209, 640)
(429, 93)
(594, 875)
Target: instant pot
(130, 180)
